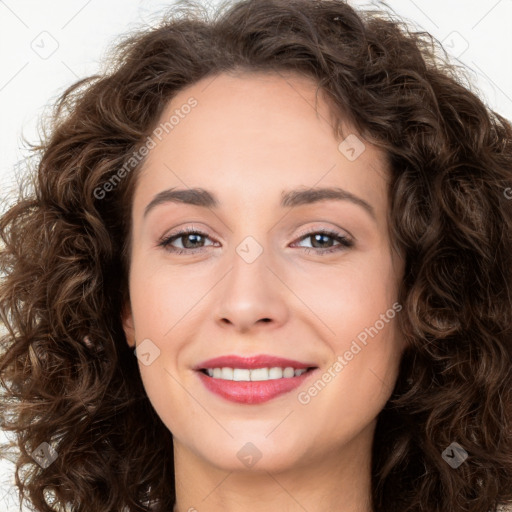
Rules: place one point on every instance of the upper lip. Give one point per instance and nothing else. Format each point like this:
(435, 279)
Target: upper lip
(256, 361)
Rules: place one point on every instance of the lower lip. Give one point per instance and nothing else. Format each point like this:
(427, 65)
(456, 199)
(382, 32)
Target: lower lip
(252, 392)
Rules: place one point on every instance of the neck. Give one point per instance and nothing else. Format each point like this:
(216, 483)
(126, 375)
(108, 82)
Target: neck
(337, 479)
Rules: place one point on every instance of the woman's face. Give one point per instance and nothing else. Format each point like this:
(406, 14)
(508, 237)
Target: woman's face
(256, 277)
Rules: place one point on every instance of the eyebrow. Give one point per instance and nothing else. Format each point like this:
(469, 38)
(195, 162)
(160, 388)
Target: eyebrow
(291, 198)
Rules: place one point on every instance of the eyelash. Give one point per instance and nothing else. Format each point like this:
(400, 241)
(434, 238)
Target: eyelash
(345, 243)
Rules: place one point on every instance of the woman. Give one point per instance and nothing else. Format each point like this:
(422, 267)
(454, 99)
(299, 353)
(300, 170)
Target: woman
(368, 371)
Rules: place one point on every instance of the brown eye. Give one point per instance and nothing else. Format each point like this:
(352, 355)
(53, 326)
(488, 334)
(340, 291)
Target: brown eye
(321, 239)
(190, 241)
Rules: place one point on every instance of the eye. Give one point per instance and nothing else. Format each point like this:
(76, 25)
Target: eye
(191, 238)
(321, 237)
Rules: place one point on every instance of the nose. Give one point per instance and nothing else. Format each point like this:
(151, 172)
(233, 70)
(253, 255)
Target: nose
(252, 295)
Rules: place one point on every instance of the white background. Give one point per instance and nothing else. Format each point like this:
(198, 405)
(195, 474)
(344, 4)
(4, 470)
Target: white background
(78, 32)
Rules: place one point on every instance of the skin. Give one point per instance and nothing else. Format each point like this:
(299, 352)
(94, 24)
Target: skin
(250, 137)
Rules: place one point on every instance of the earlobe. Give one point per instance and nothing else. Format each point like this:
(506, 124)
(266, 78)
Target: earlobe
(128, 325)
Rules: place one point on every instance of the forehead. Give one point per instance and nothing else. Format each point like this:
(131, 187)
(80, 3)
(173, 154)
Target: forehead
(253, 133)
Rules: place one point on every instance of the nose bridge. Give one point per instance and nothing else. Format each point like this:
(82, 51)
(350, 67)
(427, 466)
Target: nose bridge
(253, 244)
(250, 260)
(250, 232)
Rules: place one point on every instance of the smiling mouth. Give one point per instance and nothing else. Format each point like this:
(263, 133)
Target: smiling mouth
(252, 386)
(254, 379)
(255, 374)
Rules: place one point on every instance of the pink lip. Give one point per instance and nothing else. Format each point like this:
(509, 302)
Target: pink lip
(258, 361)
(248, 392)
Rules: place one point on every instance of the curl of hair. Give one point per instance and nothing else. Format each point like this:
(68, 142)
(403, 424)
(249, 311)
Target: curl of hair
(70, 380)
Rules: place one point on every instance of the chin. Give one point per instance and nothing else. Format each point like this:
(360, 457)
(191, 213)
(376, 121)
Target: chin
(252, 454)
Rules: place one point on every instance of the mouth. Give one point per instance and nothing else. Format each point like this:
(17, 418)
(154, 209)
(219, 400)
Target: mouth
(253, 380)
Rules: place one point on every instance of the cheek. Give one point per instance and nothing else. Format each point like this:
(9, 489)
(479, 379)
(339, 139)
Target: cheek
(159, 296)
(350, 297)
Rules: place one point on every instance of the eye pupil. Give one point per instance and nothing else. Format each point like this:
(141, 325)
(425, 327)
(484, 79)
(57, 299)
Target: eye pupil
(315, 237)
(191, 235)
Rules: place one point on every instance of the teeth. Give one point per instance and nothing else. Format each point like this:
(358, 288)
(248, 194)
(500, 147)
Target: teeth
(275, 373)
(288, 372)
(259, 374)
(256, 374)
(227, 374)
(239, 374)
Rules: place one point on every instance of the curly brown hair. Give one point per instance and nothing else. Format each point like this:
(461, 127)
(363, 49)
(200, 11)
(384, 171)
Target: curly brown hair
(69, 378)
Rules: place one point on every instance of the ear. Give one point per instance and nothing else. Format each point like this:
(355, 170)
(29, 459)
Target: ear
(128, 324)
